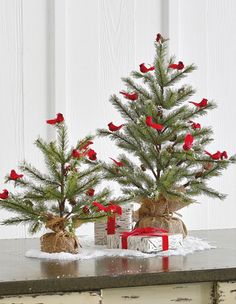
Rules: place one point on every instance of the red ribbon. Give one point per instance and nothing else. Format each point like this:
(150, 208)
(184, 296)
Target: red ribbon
(165, 263)
(148, 231)
(111, 220)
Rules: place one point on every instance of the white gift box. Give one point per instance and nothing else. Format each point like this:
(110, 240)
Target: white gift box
(147, 244)
(123, 222)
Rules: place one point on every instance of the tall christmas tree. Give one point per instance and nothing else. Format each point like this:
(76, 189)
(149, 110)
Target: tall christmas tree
(170, 164)
(61, 199)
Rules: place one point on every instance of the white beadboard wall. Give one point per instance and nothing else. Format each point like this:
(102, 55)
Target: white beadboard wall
(69, 56)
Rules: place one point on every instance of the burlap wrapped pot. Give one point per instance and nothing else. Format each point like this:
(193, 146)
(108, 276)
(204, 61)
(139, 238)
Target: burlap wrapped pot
(59, 240)
(159, 213)
(53, 242)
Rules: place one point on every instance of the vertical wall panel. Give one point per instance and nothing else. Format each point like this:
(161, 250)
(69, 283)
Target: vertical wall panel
(221, 66)
(11, 94)
(23, 88)
(36, 78)
(204, 30)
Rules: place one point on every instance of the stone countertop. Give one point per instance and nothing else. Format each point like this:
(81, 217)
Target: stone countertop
(22, 275)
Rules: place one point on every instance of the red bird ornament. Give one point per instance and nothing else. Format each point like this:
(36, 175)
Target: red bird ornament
(118, 163)
(144, 69)
(218, 155)
(201, 104)
(4, 194)
(56, 120)
(195, 125)
(131, 96)
(158, 38)
(179, 66)
(14, 175)
(92, 155)
(114, 128)
(76, 153)
(153, 125)
(86, 144)
(188, 142)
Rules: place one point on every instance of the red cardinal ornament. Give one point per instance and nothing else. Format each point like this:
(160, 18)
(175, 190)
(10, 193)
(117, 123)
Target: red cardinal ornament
(224, 155)
(158, 38)
(4, 194)
(195, 125)
(92, 155)
(86, 145)
(150, 123)
(14, 175)
(178, 66)
(188, 142)
(114, 128)
(118, 163)
(76, 154)
(56, 120)
(90, 192)
(144, 69)
(201, 104)
(218, 155)
(131, 96)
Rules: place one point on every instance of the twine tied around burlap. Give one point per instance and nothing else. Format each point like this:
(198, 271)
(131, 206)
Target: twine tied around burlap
(160, 214)
(59, 240)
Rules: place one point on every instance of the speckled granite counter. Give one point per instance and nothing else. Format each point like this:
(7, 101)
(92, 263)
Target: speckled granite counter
(21, 275)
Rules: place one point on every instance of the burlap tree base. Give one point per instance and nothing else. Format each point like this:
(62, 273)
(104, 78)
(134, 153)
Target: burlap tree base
(59, 242)
(173, 225)
(159, 214)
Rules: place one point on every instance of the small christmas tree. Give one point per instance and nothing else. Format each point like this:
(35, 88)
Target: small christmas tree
(170, 165)
(63, 198)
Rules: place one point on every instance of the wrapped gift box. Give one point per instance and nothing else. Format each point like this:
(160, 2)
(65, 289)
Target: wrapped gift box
(147, 244)
(123, 223)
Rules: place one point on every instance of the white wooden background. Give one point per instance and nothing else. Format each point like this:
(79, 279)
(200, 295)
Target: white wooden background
(69, 55)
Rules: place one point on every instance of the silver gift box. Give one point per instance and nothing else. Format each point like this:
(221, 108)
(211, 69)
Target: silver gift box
(123, 222)
(147, 244)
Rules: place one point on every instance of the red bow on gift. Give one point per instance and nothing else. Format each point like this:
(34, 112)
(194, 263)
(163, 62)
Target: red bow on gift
(148, 231)
(112, 210)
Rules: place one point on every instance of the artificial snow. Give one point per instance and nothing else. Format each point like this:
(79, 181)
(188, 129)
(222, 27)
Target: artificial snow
(91, 251)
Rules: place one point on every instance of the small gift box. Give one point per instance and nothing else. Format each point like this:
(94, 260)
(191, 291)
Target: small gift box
(116, 223)
(147, 240)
